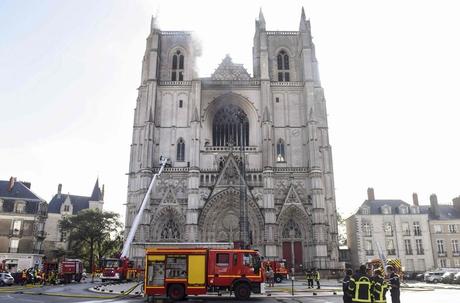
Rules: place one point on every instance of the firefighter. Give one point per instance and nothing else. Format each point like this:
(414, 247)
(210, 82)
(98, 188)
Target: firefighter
(379, 287)
(345, 284)
(360, 286)
(394, 283)
(24, 277)
(309, 276)
(316, 276)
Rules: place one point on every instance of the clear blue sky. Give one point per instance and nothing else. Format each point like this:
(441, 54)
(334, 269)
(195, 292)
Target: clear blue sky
(390, 69)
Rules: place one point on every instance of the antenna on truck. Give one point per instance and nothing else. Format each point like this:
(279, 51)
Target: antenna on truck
(137, 219)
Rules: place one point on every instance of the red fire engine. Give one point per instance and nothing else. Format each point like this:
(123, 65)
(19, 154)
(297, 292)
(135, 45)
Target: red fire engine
(178, 272)
(119, 269)
(279, 269)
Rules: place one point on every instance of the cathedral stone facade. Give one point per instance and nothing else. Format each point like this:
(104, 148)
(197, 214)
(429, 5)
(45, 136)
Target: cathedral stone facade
(270, 128)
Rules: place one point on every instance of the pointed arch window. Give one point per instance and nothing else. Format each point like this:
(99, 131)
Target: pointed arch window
(280, 151)
(283, 66)
(170, 231)
(180, 150)
(177, 70)
(291, 230)
(230, 126)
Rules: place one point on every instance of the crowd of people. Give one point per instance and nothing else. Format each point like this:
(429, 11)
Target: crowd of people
(365, 286)
(36, 276)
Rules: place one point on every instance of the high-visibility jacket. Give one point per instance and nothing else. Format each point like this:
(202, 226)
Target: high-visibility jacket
(309, 275)
(379, 289)
(316, 275)
(360, 288)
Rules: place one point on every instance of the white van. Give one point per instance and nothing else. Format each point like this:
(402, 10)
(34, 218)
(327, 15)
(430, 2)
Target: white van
(434, 276)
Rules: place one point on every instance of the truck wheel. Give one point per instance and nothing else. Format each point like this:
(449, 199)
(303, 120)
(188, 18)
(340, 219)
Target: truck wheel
(176, 292)
(278, 279)
(242, 291)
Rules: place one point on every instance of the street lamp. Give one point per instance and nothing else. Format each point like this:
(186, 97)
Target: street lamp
(242, 117)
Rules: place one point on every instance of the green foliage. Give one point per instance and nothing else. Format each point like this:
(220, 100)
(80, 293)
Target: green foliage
(92, 232)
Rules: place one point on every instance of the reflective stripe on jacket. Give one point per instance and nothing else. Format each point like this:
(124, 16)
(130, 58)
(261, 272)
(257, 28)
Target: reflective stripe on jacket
(379, 290)
(360, 287)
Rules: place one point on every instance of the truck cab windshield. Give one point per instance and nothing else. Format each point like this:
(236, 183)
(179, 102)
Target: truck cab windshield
(111, 263)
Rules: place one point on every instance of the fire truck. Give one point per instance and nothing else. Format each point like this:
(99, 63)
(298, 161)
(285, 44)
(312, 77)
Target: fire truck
(279, 269)
(116, 269)
(178, 272)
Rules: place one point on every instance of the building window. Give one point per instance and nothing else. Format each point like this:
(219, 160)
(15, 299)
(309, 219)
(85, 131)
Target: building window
(283, 66)
(452, 228)
(388, 229)
(14, 243)
(277, 100)
(419, 246)
(368, 248)
(403, 210)
(386, 210)
(181, 103)
(408, 247)
(456, 262)
(230, 125)
(222, 259)
(443, 263)
(16, 231)
(66, 208)
(440, 245)
(280, 154)
(63, 237)
(437, 228)
(390, 247)
(367, 229)
(180, 150)
(19, 207)
(177, 70)
(365, 211)
(417, 230)
(405, 229)
(455, 247)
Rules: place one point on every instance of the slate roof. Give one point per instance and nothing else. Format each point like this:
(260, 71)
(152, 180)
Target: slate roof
(446, 212)
(19, 191)
(78, 203)
(375, 206)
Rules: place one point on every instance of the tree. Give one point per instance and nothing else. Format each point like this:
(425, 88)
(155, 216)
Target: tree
(88, 229)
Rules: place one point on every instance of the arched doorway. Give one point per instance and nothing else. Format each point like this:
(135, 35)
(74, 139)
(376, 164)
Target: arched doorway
(293, 225)
(168, 225)
(219, 219)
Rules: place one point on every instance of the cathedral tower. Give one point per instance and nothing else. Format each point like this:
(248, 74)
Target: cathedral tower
(274, 123)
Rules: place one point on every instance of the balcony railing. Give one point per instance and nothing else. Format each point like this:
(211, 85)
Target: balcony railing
(369, 252)
(15, 233)
(391, 251)
(456, 254)
(420, 251)
(388, 234)
(406, 233)
(442, 254)
(409, 252)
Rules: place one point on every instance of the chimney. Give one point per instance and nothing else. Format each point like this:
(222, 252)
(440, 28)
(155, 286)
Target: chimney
(370, 194)
(11, 184)
(415, 199)
(434, 205)
(456, 202)
(59, 190)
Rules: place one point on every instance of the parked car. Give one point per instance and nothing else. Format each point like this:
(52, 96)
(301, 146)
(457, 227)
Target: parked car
(456, 278)
(420, 277)
(448, 277)
(6, 279)
(433, 276)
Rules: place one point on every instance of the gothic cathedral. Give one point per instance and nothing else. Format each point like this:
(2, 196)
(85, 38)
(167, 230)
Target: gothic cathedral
(270, 128)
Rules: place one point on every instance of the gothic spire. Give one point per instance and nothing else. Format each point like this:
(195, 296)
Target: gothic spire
(153, 24)
(261, 19)
(304, 23)
(96, 195)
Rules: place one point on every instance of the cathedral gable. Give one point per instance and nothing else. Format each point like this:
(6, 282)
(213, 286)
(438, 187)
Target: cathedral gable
(228, 70)
(169, 198)
(293, 199)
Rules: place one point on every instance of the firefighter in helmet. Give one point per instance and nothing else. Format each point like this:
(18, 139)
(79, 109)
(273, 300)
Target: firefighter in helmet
(394, 283)
(379, 287)
(360, 286)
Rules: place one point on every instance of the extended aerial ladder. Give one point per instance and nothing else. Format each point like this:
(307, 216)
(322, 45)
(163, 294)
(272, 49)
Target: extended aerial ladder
(137, 219)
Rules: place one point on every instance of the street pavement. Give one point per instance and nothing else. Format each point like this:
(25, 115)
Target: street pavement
(78, 292)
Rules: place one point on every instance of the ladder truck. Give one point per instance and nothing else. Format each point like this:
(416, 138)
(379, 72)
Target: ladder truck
(121, 269)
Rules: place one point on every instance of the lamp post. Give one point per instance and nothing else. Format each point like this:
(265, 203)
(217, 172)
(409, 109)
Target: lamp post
(242, 117)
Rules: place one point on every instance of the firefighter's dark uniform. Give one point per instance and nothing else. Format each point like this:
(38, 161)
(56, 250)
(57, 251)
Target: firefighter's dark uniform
(394, 283)
(360, 288)
(379, 289)
(347, 295)
(309, 278)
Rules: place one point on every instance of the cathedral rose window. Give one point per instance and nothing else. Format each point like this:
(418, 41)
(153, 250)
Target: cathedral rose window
(226, 127)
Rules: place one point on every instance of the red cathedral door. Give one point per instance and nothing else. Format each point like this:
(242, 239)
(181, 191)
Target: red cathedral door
(292, 253)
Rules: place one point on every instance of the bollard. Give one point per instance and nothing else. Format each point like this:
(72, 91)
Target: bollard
(292, 290)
